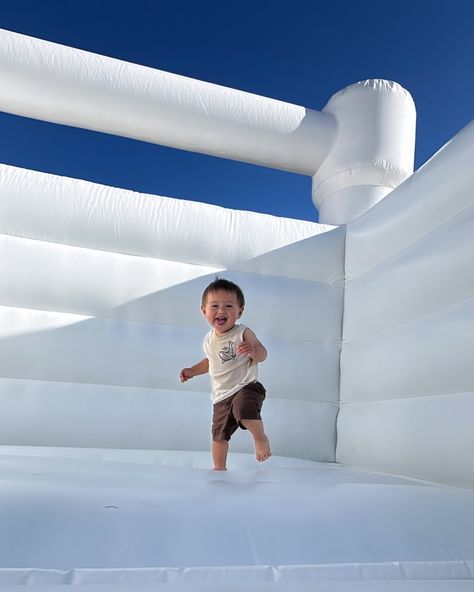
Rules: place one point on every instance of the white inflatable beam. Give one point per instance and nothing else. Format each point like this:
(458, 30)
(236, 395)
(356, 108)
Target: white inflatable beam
(84, 214)
(64, 85)
(359, 148)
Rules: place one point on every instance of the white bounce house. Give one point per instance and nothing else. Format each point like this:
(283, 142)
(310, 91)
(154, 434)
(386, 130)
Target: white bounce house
(368, 318)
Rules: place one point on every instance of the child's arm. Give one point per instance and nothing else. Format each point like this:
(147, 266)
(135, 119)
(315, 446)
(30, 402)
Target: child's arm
(200, 368)
(252, 347)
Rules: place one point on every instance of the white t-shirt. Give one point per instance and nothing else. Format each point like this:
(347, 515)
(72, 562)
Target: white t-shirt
(229, 370)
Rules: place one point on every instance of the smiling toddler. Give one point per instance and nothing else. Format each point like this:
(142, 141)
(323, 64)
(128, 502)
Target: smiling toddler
(232, 356)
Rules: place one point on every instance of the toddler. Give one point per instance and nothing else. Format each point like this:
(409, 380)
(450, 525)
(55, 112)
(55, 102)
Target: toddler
(232, 355)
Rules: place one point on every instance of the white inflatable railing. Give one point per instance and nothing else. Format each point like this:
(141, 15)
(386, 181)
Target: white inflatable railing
(84, 214)
(357, 149)
(65, 85)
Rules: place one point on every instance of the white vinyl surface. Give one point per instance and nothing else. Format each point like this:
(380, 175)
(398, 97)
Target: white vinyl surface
(407, 377)
(81, 516)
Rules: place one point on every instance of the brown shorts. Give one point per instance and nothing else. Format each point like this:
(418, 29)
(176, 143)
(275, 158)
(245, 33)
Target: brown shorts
(227, 414)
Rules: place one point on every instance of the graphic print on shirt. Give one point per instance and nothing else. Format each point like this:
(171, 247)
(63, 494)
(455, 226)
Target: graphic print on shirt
(227, 353)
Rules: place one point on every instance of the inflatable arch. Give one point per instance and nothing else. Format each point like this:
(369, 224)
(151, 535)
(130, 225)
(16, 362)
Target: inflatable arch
(368, 317)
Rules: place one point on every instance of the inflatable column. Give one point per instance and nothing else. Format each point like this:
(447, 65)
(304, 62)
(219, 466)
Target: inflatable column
(372, 153)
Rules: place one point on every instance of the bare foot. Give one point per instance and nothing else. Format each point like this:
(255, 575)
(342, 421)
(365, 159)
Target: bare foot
(262, 450)
(218, 469)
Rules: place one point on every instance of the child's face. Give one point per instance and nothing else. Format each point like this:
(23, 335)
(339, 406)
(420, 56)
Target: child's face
(221, 310)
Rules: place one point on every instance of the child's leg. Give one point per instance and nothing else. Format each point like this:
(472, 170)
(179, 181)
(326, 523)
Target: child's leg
(262, 446)
(223, 426)
(219, 454)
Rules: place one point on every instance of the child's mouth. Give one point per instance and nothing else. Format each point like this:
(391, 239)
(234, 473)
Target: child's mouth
(221, 321)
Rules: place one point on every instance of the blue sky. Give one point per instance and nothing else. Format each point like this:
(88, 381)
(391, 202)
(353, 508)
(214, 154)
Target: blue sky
(300, 51)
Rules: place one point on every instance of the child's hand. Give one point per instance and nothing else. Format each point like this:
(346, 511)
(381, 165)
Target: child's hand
(186, 374)
(247, 349)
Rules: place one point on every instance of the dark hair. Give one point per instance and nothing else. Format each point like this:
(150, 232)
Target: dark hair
(227, 286)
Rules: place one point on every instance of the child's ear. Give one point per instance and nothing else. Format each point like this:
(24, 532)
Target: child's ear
(240, 313)
(203, 310)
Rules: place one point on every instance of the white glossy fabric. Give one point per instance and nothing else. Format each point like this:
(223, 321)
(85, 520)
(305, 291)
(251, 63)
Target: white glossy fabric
(64, 85)
(357, 149)
(373, 150)
(84, 214)
(407, 390)
(86, 323)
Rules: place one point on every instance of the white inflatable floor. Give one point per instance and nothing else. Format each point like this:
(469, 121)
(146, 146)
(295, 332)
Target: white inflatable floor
(127, 517)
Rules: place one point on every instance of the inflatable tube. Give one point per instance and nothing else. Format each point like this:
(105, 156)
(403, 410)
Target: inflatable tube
(65, 85)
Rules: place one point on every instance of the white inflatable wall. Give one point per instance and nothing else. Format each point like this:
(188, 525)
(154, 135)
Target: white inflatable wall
(101, 308)
(407, 374)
